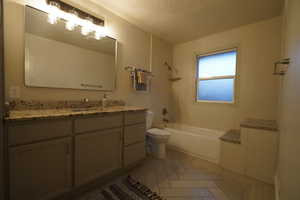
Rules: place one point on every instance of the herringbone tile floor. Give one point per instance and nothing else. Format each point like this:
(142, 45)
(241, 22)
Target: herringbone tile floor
(182, 177)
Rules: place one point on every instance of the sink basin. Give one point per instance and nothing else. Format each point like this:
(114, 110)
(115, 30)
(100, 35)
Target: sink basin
(83, 109)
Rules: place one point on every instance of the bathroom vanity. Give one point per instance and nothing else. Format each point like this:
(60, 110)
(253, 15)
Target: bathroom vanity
(52, 152)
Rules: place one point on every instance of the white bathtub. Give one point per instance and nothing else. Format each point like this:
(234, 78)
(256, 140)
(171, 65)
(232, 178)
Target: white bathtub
(199, 142)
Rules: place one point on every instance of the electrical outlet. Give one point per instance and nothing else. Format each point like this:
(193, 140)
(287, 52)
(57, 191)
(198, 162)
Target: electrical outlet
(14, 92)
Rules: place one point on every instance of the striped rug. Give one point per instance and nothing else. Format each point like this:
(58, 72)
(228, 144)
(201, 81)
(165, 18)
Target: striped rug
(126, 189)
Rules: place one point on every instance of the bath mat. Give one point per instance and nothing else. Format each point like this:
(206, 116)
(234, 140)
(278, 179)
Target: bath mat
(126, 189)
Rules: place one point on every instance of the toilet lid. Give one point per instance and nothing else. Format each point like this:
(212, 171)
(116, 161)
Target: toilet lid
(158, 132)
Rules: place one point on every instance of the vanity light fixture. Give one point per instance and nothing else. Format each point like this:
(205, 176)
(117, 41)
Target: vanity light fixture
(75, 17)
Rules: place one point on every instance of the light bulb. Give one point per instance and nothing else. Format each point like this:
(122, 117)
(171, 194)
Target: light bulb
(98, 36)
(72, 20)
(70, 25)
(52, 19)
(85, 31)
(100, 33)
(87, 26)
(53, 12)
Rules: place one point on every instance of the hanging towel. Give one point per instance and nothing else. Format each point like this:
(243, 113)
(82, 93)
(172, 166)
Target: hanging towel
(141, 77)
(139, 80)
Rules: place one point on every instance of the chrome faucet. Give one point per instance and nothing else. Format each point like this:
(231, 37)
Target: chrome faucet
(85, 100)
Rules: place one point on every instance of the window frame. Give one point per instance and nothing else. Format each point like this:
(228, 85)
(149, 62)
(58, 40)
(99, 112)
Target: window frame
(234, 77)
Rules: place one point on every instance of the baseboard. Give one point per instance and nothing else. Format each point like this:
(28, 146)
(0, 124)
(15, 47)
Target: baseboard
(277, 187)
(172, 147)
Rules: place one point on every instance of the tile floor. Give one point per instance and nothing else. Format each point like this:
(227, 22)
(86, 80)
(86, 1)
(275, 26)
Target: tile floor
(182, 177)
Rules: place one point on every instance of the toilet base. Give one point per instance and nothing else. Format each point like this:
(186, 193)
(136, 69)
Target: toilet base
(158, 150)
(157, 140)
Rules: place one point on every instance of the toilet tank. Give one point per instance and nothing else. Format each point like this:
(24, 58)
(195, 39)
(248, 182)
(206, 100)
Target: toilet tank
(149, 119)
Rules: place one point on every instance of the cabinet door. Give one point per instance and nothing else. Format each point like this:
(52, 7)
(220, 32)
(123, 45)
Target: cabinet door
(261, 154)
(134, 153)
(97, 154)
(40, 171)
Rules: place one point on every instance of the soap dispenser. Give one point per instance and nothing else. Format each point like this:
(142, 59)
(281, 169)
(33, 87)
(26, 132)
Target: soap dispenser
(104, 101)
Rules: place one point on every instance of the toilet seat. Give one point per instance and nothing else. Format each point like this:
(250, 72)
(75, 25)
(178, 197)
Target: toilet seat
(160, 133)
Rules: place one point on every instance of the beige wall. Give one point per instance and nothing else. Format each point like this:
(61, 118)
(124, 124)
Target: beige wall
(256, 92)
(160, 97)
(134, 49)
(289, 163)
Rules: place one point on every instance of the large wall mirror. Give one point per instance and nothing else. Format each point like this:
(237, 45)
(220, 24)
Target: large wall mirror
(58, 58)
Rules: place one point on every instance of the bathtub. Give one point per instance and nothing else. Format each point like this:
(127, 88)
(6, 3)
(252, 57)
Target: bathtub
(199, 142)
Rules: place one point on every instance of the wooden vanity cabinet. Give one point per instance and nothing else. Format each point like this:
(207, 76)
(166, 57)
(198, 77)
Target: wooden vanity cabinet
(47, 158)
(41, 170)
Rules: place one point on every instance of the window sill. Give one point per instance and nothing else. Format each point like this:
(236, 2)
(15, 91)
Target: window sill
(216, 102)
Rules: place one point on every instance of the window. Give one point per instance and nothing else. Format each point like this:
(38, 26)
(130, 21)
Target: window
(216, 76)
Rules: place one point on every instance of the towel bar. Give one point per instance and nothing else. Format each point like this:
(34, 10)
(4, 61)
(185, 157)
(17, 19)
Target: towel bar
(132, 69)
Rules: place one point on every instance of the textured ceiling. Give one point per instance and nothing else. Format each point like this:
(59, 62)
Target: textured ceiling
(182, 20)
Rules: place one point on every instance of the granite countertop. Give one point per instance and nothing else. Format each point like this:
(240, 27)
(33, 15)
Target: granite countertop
(21, 115)
(260, 124)
(233, 136)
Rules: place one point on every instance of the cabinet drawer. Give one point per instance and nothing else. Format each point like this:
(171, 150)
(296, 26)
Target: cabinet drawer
(135, 117)
(98, 123)
(134, 153)
(26, 132)
(135, 133)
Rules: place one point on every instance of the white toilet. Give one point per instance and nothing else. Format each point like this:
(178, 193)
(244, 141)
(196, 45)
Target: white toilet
(157, 138)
